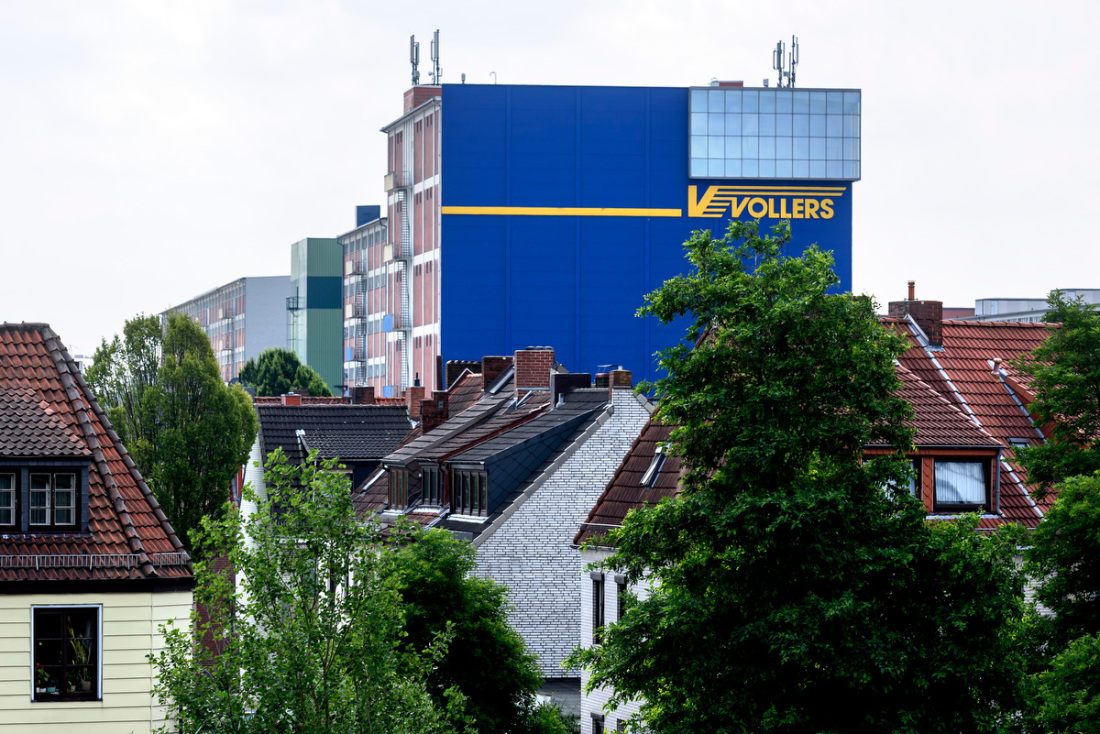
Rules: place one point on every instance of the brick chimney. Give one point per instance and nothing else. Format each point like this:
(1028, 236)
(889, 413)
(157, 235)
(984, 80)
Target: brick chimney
(927, 314)
(434, 410)
(292, 399)
(415, 396)
(621, 378)
(362, 395)
(492, 368)
(533, 367)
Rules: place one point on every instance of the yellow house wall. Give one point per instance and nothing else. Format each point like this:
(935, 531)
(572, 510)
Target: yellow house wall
(130, 623)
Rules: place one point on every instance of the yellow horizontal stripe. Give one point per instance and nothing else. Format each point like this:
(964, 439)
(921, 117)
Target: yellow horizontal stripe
(562, 211)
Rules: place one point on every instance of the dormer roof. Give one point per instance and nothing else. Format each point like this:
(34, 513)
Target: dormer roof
(48, 412)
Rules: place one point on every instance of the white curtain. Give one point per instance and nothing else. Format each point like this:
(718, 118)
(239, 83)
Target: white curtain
(960, 482)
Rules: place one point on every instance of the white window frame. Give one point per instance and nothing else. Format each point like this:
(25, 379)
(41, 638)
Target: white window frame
(11, 492)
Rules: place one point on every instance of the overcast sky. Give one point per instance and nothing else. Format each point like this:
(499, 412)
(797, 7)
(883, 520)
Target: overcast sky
(153, 149)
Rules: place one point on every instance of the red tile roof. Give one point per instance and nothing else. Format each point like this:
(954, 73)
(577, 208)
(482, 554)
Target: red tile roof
(958, 399)
(48, 411)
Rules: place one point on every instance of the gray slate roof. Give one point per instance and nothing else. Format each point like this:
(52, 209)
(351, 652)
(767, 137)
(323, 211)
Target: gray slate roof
(346, 432)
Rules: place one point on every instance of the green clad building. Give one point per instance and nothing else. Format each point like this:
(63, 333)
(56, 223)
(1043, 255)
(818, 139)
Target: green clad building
(314, 318)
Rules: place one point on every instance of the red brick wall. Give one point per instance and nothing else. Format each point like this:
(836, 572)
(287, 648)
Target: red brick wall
(491, 369)
(533, 368)
(927, 314)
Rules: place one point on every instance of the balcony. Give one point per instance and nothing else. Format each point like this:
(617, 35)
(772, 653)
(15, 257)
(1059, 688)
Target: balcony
(398, 180)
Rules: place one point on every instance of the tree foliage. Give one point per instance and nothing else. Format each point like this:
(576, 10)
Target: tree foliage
(486, 660)
(187, 431)
(1065, 371)
(792, 592)
(309, 641)
(278, 371)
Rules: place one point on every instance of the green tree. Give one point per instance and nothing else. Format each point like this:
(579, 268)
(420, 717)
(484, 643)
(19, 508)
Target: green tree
(791, 591)
(188, 432)
(1067, 693)
(278, 371)
(1065, 371)
(486, 660)
(309, 638)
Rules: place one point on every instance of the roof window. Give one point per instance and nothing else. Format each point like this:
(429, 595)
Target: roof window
(654, 469)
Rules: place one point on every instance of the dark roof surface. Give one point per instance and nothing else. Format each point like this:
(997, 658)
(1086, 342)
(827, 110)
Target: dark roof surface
(128, 537)
(346, 432)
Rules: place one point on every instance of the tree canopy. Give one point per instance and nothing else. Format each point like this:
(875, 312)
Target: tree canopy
(792, 589)
(308, 640)
(1065, 372)
(486, 660)
(278, 371)
(187, 431)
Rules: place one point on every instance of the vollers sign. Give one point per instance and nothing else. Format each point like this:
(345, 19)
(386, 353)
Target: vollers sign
(764, 202)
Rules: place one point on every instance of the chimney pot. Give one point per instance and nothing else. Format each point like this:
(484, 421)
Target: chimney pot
(912, 290)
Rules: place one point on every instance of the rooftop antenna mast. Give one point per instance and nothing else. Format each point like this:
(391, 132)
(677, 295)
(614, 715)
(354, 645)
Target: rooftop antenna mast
(781, 58)
(414, 58)
(436, 73)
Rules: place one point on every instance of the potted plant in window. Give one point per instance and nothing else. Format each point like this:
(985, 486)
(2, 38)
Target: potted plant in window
(41, 678)
(81, 660)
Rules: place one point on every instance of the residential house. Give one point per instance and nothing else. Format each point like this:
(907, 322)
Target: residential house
(89, 566)
(514, 472)
(970, 412)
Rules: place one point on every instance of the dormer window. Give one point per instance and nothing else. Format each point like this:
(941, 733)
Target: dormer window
(399, 488)
(962, 485)
(7, 500)
(44, 497)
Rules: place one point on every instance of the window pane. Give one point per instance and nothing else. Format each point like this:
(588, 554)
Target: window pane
(783, 148)
(783, 101)
(801, 168)
(7, 481)
(767, 147)
(749, 147)
(817, 169)
(484, 494)
(698, 123)
(767, 101)
(716, 123)
(802, 102)
(833, 147)
(801, 124)
(801, 149)
(733, 124)
(817, 125)
(733, 148)
(733, 100)
(851, 103)
(699, 100)
(851, 126)
(817, 149)
(716, 147)
(767, 168)
(750, 101)
(749, 168)
(64, 481)
(784, 124)
(767, 124)
(834, 126)
(698, 146)
(835, 169)
(817, 103)
(835, 103)
(851, 170)
(960, 482)
(698, 166)
(750, 124)
(716, 167)
(733, 168)
(784, 169)
(716, 100)
(40, 481)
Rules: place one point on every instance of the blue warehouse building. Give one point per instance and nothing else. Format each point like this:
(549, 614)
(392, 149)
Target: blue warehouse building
(542, 215)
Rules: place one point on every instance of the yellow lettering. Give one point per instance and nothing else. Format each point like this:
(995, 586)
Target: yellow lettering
(826, 208)
(698, 207)
(797, 213)
(811, 208)
(758, 213)
(737, 209)
(771, 209)
(783, 213)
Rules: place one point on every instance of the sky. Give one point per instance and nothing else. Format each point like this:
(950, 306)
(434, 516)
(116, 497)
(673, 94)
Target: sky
(151, 150)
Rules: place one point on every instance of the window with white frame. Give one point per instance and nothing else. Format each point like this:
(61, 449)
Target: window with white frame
(7, 500)
(67, 645)
(53, 499)
(598, 612)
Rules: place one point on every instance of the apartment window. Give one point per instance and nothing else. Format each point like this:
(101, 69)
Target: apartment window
(66, 653)
(620, 596)
(597, 724)
(433, 491)
(7, 499)
(53, 499)
(399, 488)
(961, 485)
(621, 725)
(910, 485)
(470, 493)
(597, 607)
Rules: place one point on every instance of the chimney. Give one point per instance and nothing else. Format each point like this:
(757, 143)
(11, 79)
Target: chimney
(434, 410)
(414, 396)
(292, 399)
(621, 378)
(927, 314)
(563, 382)
(362, 395)
(533, 368)
(492, 368)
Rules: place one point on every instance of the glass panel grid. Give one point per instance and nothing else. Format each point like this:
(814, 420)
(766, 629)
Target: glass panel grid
(775, 133)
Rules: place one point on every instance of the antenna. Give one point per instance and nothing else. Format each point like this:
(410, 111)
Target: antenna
(793, 60)
(436, 73)
(414, 59)
(777, 61)
(781, 58)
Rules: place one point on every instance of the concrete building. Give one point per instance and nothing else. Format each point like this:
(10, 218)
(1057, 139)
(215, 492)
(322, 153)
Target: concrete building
(366, 357)
(1027, 310)
(242, 318)
(563, 206)
(314, 307)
